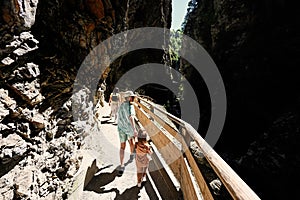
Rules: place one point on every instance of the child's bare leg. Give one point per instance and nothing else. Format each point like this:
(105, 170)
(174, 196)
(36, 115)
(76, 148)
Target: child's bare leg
(144, 173)
(139, 175)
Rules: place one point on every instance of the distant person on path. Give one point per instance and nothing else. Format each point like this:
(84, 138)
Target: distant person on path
(143, 156)
(114, 103)
(99, 98)
(126, 127)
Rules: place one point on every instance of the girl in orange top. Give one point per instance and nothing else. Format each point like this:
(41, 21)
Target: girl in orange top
(143, 152)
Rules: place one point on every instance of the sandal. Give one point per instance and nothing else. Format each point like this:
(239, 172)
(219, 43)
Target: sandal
(121, 171)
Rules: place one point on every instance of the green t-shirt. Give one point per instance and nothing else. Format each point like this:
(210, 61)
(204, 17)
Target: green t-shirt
(125, 111)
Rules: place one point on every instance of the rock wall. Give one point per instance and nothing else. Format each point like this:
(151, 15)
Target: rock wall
(38, 149)
(17, 14)
(42, 46)
(255, 45)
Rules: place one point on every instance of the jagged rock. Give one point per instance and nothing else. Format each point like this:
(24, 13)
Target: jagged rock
(23, 182)
(198, 154)
(253, 48)
(31, 90)
(3, 111)
(38, 68)
(216, 186)
(29, 71)
(20, 45)
(28, 11)
(24, 129)
(19, 14)
(49, 196)
(11, 141)
(7, 61)
(6, 103)
(6, 189)
(12, 148)
(270, 156)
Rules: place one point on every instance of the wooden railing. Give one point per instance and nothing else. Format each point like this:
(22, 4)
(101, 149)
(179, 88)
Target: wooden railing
(173, 145)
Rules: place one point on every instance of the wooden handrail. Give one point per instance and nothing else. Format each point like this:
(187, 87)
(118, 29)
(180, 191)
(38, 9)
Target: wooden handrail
(169, 115)
(234, 184)
(237, 188)
(170, 152)
(198, 175)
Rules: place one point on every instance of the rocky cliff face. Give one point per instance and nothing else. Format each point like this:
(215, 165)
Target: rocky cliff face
(42, 46)
(69, 30)
(255, 46)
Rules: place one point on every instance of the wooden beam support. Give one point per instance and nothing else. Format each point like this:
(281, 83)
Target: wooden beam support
(197, 173)
(237, 188)
(187, 184)
(169, 151)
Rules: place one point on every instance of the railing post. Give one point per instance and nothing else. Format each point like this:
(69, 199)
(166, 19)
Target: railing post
(237, 188)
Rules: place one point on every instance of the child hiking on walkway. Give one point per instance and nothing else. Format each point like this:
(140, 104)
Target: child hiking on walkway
(143, 152)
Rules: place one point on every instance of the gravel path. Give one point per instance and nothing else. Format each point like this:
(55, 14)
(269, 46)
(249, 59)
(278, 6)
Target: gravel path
(105, 184)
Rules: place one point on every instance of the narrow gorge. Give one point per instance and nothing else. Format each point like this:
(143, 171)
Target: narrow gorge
(255, 45)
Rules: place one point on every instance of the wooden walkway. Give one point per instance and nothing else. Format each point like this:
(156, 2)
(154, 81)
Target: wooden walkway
(105, 184)
(173, 171)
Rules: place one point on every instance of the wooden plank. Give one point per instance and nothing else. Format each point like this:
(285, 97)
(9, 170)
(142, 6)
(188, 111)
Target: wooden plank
(161, 179)
(199, 177)
(197, 173)
(166, 186)
(159, 120)
(169, 115)
(234, 184)
(169, 151)
(187, 185)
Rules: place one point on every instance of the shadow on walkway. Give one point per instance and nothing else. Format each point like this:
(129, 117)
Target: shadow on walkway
(149, 189)
(129, 194)
(100, 180)
(107, 121)
(133, 193)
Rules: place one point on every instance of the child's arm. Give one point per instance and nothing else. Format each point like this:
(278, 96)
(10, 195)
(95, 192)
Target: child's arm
(149, 150)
